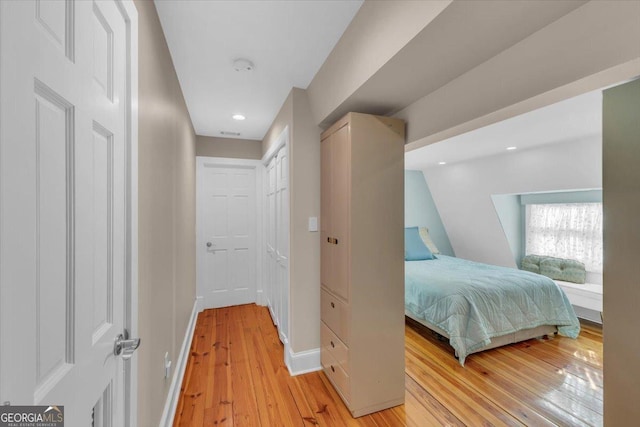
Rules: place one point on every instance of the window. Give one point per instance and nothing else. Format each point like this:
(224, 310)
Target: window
(572, 230)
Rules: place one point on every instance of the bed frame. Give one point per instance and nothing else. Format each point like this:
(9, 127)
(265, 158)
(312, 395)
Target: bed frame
(523, 335)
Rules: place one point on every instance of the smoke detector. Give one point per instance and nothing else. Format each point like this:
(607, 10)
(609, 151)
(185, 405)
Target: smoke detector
(243, 65)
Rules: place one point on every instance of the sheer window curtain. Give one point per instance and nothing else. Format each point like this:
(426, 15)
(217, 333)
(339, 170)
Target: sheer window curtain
(571, 230)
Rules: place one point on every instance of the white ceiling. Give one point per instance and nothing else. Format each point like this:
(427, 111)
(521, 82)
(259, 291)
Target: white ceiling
(569, 120)
(287, 41)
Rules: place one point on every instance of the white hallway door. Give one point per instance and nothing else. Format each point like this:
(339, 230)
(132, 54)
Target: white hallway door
(271, 258)
(67, 74)
(226, 241)
(277, 240)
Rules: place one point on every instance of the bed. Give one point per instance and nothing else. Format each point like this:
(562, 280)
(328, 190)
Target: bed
(479, 306)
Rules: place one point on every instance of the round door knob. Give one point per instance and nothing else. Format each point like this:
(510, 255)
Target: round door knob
(209, 244)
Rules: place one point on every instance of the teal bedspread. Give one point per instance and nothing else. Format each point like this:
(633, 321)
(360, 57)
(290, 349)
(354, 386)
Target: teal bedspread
(474, 302)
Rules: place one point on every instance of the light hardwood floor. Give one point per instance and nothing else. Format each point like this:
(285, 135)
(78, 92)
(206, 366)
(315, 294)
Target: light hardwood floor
(236, 377)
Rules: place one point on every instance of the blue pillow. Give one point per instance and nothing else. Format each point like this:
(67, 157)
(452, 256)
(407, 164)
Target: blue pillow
(414, 247)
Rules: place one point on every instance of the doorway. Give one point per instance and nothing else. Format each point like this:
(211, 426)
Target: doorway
(227, 221)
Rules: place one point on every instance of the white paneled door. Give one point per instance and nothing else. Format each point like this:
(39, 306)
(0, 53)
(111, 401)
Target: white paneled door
(276, 272)
(282, 241)
(271, 267)
(226, 237)
(67, 73)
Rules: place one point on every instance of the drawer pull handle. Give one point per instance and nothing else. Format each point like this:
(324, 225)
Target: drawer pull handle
(333, 345)
(328, 239)
(335, 241)
(333, 305)
(333, 369)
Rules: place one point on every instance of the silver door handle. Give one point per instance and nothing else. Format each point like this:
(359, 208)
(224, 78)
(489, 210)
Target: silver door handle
(125, 347)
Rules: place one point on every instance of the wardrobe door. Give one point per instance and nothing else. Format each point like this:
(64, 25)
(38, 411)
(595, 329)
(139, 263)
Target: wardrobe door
(340, 212)
(326, 247)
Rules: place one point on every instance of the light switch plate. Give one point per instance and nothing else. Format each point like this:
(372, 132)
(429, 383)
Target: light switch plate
(167, 365)
(313, 223)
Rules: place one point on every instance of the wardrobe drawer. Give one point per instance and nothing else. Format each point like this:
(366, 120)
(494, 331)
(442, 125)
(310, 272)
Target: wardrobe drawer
(335, 347)
(334, 313)
(336, 374)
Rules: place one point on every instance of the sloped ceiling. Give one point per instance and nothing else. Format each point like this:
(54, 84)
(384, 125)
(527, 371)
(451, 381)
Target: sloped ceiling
(571, 120)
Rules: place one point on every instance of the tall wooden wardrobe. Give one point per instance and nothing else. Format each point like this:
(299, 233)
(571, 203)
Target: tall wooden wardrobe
(362, 257)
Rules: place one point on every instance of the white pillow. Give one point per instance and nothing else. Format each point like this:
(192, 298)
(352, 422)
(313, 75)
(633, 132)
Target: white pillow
(424, 234)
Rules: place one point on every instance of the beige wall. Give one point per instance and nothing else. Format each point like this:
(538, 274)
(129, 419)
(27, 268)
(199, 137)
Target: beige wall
(305, 245)
(166, 222)
(621, 197)
(282, 120)
(377, 32)
(212, 146)
(304, 252)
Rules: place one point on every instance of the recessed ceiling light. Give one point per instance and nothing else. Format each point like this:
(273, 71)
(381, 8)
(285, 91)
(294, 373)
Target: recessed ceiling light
(511, 148)
(442, 163)
(238, 117)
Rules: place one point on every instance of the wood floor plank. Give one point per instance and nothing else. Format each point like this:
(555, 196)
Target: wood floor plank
(477, 381)
(343, 411)
(420, 405)
(212, 380)
(270, 351)
(199, 383)
(554, 406)
(506, 378)
(302, 404)
(245, 406)
(219, 404)
(328, 411)
(569, 384)
(266, 398)
(470, 408)
(184, 411)
(563, 360)
(236, 375)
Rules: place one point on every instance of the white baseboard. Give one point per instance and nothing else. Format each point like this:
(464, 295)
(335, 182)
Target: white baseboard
(170, 406)
(297, 363)
(273, 315)
(260, 298)
(302, 362)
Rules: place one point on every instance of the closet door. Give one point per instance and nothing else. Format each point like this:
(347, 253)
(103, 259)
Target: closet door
(335, 194)
(270, 270)
(326, 247)
(282, 239)
(340, 216)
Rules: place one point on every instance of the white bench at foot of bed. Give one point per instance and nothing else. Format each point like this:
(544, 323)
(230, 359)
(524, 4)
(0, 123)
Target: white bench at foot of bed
(586, 299)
